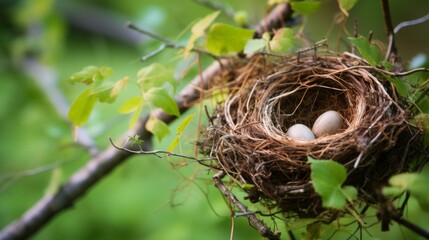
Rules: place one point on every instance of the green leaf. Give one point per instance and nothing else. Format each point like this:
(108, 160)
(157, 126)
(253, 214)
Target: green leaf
(328, 176)
(401, 86)
(247, 186)
(159, 98)
(369, 52)
(108, 93)
(136, 141)
(254, 45)
(136, 115)
(155, 75)
(173, 144)
(82, 107)
(103, 94)
(392, 191)
(157, 127)
(305, 7)
(131, 105)
(387, 65)
(90, 75)
(184, 124)
(198, 31)
(416, 183)
(224, 39)
(119, 86)
(283, 41)
(346, 5)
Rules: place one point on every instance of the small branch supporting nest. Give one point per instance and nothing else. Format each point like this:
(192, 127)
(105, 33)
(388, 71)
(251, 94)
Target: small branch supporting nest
(254, 221)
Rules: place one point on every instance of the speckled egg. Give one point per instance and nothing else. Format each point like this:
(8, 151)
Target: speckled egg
(300, 132)
(328, 123)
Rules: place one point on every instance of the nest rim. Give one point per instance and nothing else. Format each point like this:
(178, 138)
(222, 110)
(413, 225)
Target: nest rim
(258, 166)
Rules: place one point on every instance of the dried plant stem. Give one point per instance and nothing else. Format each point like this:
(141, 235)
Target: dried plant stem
(254, 221)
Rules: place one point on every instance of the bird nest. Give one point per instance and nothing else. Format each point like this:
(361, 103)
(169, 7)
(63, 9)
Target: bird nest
(267, 95)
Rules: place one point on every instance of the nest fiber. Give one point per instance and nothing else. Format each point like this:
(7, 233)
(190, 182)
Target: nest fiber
(267, 95)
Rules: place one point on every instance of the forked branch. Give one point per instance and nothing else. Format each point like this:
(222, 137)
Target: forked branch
(254, 221)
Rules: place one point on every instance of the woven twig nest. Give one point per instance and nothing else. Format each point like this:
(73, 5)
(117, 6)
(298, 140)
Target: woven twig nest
(267, 95)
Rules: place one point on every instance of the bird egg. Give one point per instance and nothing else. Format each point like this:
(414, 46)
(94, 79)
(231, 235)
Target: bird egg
(328, 123)
(300, 132)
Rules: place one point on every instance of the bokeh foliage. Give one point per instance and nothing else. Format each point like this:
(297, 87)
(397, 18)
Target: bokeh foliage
(147, 197)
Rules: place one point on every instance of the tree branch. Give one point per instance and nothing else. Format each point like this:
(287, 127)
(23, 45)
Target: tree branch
(254, 221)
(104, 162)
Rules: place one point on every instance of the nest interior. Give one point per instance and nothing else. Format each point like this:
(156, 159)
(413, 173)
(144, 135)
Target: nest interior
(268, 95)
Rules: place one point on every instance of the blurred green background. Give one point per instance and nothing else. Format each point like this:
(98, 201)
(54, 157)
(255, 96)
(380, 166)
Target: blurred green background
(146, 197)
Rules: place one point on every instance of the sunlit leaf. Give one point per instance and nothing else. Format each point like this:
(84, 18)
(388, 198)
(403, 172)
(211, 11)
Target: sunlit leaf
(283, 41)
(369, 52)
(103, 94)
(157, 127)
(136, 115)
(198, 31)
(119, 86)
(247, 186)
(328, 177)
(305, 7)
(159, 98)
(224, 39)
(346, 5)
(155, 75)
(184, 124)
(91, 74)
(173, 144)
(254, 45)
(131, 105)
(82, 107)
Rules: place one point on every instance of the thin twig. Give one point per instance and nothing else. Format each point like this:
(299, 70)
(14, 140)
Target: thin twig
(411, 226)
(166, 43)
(389, 28)
(411, 23)
(12, 178)
(156, 152)
(254, 221)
